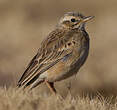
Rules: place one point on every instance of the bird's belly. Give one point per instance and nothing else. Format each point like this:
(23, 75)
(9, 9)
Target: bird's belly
(66, 68)
(58, 72)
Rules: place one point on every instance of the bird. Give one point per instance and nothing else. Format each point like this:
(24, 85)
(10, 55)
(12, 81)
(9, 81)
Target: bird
(60, 55)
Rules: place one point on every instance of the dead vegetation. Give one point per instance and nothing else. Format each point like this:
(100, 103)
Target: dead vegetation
(13, 99)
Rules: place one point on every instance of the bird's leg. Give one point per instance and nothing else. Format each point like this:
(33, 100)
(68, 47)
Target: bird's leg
(53, 90)
(51, 86)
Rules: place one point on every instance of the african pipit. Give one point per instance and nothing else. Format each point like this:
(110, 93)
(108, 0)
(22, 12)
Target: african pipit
(60, 55)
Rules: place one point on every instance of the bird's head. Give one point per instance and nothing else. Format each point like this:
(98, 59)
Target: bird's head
(72, 20)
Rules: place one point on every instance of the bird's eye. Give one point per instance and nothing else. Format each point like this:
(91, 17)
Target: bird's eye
(73, 20)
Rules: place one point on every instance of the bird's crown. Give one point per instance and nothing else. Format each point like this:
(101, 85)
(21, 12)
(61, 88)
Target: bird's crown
(73, 20)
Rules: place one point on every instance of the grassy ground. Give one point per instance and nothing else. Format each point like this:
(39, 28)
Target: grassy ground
(12, 99)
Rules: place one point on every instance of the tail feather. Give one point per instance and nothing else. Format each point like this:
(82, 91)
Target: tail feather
(32, 83)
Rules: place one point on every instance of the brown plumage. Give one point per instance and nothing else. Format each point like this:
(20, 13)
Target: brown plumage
(60, 55)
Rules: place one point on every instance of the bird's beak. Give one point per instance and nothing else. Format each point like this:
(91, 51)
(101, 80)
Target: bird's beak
(88, 18)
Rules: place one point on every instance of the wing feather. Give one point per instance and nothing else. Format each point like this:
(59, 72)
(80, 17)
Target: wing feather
(51, 52)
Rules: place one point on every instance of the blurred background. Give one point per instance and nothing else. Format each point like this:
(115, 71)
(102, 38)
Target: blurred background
(23, 25)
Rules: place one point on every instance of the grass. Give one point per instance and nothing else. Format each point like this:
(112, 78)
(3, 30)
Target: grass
(13, 99)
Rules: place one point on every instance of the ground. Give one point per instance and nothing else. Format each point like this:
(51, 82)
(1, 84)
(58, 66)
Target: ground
(15, 99)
